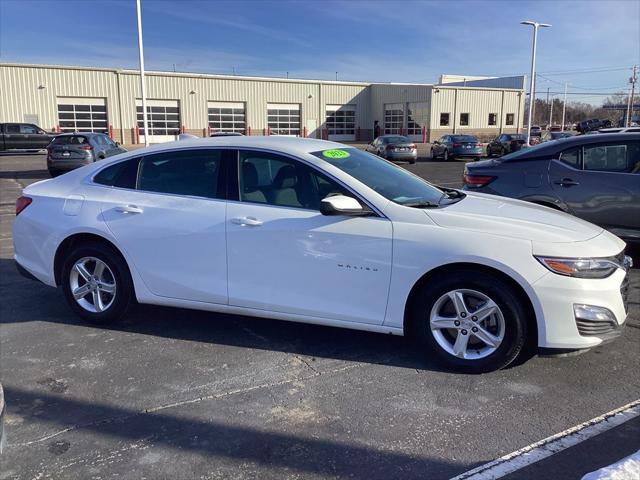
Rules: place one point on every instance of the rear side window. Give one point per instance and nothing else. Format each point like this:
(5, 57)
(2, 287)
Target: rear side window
(194, 173)
(571, 157)
(121, 175)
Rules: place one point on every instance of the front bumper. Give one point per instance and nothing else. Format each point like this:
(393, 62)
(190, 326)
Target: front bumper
(558, 295)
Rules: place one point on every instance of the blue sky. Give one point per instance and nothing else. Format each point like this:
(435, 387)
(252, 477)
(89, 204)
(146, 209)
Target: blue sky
(592, 44)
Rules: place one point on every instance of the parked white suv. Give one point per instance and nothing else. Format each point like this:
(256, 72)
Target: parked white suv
(318, 232)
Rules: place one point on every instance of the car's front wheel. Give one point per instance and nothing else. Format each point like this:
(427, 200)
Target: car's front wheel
(445, 155)
(470, 320)
(96, 283)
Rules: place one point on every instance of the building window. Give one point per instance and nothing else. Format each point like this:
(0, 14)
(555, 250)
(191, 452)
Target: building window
(163, 117)
(464, 119)
(510, 118)
(417, 118)
(444, 119)
(393, 118)
(341, 122)
(493, 117)
(82, 115)
(227, 117)
(284, 119)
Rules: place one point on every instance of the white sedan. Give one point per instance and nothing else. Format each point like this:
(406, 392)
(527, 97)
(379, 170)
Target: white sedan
(314, 231)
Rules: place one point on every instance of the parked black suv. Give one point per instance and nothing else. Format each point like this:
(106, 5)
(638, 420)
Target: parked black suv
(23, 136)
(594, 177)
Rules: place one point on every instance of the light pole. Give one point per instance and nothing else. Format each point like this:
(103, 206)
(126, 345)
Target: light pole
(564, 105)
(142, 82)
(532, 79)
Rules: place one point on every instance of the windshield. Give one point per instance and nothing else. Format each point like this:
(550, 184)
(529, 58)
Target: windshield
(395, 139)
(389, 180)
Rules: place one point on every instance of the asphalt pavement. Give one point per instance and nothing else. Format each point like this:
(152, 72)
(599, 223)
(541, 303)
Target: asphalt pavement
(179, 394)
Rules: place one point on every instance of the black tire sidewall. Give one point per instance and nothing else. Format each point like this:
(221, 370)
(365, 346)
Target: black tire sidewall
(124, 284)
(496, 289)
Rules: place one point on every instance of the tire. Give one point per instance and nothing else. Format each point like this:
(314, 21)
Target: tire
(412, 162)
(433, 157)
(54, 173)
(445, 155)
(489, 154)
(434, 298)
(115, 277)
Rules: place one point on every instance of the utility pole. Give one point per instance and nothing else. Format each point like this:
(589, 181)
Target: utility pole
(632, 81)
(564, 105)
(550, 116)
(549, 123)
(143, 87)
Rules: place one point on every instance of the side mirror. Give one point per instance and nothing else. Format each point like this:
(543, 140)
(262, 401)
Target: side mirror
(341, 205)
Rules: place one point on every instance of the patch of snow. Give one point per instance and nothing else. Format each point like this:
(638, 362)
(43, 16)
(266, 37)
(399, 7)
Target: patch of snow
(626, 469)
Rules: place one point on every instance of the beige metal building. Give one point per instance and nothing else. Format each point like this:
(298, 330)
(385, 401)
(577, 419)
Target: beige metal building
(66, 99)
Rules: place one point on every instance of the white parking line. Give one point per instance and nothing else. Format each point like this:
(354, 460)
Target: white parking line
(553, 444)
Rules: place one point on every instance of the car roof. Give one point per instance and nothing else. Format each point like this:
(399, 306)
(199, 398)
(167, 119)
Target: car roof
(75, 134)
(576, 140)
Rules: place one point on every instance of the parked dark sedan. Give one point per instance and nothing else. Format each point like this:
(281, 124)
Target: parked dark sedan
(449, 147)
(594, 177)
(506, 143)
(394, 147)
(73, 150)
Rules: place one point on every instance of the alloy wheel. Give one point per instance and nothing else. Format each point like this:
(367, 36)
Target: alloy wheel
(93, 284)
(467, 324)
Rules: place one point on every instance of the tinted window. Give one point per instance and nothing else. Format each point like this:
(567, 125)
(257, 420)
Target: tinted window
(276, 180)
(28, 129)
(389, 180)
(397, 139)
(620, 157)
(464, 119)
(571, 157)
(493, 118)
(444, 119)
(12, 128)
(191, 172)
(69, 140)
(464, 138)
(121, 175)
(510, 118)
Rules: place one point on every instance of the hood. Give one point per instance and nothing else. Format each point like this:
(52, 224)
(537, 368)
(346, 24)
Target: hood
(513, 218)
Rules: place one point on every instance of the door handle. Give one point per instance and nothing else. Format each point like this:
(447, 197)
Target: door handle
(128, 209)
(246, 221)
(566, 182)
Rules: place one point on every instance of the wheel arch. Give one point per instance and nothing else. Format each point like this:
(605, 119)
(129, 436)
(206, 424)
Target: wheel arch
(532, 320)
(76, 239)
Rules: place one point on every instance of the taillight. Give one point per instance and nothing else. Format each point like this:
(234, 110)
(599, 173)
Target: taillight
(412, 146)
(22, 203)
(477, 181)
(457, 144)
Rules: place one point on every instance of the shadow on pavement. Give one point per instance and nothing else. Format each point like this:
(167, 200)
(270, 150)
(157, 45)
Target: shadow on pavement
(22, 174)
(219, 437)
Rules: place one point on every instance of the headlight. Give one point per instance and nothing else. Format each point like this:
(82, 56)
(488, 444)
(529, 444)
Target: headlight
(581, 267)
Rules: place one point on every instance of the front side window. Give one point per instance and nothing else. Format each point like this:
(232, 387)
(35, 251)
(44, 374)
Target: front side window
(510, 118)
(571, 157)
(621, 157)
(190, 172)
(28, 129)
(464, 119)
(276, 180)
(444, 119)
(389, 180)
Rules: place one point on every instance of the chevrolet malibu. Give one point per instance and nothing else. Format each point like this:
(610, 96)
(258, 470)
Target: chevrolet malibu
(318, 232)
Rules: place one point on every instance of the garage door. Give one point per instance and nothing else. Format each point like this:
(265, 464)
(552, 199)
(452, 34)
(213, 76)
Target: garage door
(341, 122)
(394, 118)
(284, 119)
(227, 117)
(164, 120)
(82, 114)
(417, 121)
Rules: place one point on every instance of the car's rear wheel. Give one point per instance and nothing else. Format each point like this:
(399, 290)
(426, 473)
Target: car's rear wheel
(97, 284)
(433, 155)
(489, 154)
(470, 320)
(54, 173)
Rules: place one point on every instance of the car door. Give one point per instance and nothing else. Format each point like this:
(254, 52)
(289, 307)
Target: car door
(598, 183)
(170, 220)
(13, 137)
(34, 136)
(285, 256)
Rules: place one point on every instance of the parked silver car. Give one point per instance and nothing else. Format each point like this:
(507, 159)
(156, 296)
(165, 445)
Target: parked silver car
(73, 150)
(394, 147)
